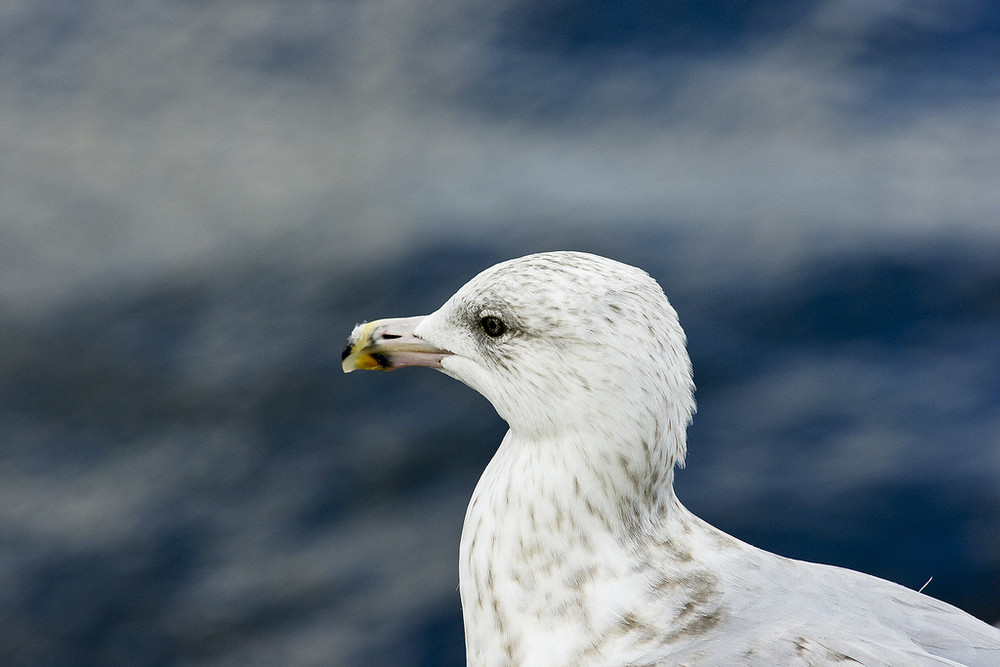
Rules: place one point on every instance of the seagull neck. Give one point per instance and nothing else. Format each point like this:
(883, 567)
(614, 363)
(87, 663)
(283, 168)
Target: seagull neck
(621, 484)
(549, 512)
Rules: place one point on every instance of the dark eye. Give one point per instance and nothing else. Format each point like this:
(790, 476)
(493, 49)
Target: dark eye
(493, 326)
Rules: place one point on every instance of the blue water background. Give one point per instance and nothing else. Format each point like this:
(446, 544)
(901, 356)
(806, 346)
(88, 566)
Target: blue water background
(200, 200)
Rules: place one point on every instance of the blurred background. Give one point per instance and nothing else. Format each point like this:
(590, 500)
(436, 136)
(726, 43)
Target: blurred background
(198, 200)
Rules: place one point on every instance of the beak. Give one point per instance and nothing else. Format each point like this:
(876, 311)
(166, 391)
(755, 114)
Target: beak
(385, 345)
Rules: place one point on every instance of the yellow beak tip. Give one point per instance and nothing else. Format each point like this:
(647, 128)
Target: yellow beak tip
(359, 357)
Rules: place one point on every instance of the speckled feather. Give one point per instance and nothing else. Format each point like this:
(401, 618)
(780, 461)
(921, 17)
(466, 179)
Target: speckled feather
(575, 550)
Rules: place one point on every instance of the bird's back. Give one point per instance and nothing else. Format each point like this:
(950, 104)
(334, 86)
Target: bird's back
(776, 610)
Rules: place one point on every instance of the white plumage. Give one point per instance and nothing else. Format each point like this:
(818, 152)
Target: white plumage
(575, 550)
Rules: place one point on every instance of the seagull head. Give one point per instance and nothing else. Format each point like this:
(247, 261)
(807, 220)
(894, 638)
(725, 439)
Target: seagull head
(558, 342)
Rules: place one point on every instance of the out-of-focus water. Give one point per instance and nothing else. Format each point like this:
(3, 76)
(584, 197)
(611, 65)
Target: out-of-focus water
(199, 200)
(189, 478)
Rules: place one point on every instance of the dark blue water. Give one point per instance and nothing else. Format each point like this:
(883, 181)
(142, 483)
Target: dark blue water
(199, 200)
(190, 479)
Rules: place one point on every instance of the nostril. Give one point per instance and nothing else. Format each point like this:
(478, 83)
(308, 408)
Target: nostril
(389, 336)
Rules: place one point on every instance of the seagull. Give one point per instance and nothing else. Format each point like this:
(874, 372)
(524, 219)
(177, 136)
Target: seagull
(575, 549)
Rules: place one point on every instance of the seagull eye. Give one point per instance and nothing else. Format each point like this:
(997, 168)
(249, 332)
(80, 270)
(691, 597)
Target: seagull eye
(493, 326)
